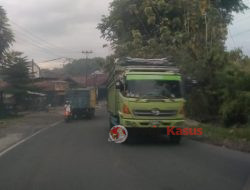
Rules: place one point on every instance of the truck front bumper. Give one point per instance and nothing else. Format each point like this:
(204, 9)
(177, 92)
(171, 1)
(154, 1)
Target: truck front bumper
(135, 123)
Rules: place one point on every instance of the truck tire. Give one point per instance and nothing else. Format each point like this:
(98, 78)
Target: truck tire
(90, 114)
(93, 113)
(110, 123)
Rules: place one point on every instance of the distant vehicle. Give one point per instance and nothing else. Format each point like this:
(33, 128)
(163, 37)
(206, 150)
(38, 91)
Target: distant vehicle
(80, 102)
(146, 94)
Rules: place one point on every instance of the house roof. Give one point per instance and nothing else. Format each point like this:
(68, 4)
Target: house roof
(97, 79)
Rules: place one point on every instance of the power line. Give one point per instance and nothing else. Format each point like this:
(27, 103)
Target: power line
(37, 45)
(243, 19)
(51, 60)
(229, 31)
(40, 39)
(240, 33)
(47, 52)
(33, 40)
(30, 36)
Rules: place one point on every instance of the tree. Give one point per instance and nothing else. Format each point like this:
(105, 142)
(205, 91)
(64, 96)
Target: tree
(16, 74)
(76, 68)
(192, 32)
(6, 35)
(157, 28)
(79, 67)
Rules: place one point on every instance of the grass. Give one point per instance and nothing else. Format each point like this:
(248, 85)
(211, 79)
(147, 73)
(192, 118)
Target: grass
(220, 133)
(5, 120)
(237, 138)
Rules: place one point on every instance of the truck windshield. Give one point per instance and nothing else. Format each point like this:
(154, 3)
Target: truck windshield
(157, 89)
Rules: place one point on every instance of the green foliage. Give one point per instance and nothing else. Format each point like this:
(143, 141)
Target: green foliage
(81, 66)
(109, 63)
(16, 73)
(237, 137)
(76, 68)
(16, 69)
(235, 90)
(232, 5)
(13, 66)
(223, 89)
(236, 111)
(193, 32)
(6, 35)
(171, 24)
(197, 101)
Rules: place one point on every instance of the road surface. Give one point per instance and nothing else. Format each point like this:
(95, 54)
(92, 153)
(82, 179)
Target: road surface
(78, 156)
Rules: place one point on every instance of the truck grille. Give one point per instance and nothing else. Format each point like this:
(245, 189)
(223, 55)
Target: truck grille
(160, 113)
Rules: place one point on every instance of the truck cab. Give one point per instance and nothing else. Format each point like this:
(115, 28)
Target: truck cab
(145, 93)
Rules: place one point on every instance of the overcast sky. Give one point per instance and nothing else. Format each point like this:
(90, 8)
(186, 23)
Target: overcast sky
(48, 29)
(239, 31)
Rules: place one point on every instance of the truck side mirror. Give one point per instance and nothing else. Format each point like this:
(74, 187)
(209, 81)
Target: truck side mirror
(118, 85)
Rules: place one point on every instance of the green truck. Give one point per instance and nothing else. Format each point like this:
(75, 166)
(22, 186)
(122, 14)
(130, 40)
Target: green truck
(146, 95)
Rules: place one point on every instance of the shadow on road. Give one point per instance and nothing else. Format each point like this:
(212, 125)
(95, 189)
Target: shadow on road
(141, 140)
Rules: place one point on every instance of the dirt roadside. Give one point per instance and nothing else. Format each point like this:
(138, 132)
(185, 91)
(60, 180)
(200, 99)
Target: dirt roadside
(232, 138)
(16, 129)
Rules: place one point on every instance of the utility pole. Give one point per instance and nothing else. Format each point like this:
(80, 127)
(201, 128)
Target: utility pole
(206, 23)
(86, 70)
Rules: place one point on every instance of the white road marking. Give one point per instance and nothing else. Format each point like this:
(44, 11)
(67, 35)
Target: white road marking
(247, 184)
(27, 138)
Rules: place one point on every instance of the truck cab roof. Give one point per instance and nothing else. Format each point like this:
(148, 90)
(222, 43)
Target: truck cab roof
(146, 65)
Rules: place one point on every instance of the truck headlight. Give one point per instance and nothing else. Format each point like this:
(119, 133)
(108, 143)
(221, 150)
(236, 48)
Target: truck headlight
(125, 109)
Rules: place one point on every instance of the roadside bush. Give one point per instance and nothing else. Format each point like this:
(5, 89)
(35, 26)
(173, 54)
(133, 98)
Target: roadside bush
(222, 95)
(202, 106)
(235, 90)
(236, 111)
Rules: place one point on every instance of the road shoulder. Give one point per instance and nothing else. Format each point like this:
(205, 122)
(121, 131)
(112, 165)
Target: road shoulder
(15, 130)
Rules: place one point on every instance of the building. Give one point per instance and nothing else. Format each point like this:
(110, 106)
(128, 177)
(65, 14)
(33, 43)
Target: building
(55, 89)
(97, 79)
(79, 80)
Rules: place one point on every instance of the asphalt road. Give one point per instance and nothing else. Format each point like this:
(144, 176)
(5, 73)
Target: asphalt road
(78, 156)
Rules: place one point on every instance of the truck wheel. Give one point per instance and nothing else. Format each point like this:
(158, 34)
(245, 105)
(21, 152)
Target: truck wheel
(66, 119)
(130, 138)
(92, 113)
(110, 123)
(175, 139)
(88, 116)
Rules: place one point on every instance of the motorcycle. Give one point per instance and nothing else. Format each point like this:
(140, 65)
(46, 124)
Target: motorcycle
(67, 113)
